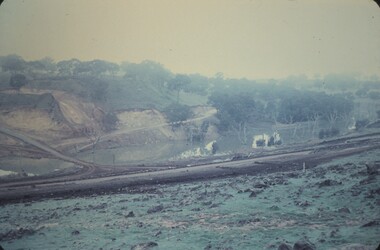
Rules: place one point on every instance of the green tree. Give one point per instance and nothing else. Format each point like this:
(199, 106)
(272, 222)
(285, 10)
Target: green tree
(147, 72)
(177, 113)
(44, 65)
(178, 83)
(13, 64)
(17, 81)
(109, 121)
(300, 106)
(96, 68)
(68, 67)
(234, 112)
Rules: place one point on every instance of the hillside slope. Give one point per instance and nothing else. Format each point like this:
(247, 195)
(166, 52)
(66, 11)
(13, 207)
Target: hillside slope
(66, 120)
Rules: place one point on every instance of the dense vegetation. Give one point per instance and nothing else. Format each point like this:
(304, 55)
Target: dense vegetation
(240, 103)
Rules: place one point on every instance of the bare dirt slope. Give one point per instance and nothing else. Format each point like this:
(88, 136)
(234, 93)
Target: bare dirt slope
(80, 116)
(139, 127)
(64, 127)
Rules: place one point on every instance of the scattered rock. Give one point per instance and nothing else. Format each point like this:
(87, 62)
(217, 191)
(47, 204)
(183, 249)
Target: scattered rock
(338, 168)
(75, 232)
(368, 180)
(328, 183)
(130, 215)
(355, 192)
(245, 222)
(280, 180)
(208, 247)
(303, 203)
(372, 169)
(372, 193)
(253, 194)
(214, 205)
(207, 203)
(157, 234)
(284, 246)
(274, 208)
(155, 209)
(293, 175)
(344, 210)
(16, 234)
(100, 206)
(202, 196)
(54, 216)
(334, 233)
(372, 223)
(144, 246)
(195, 188)
(260, 185)
(304, 245)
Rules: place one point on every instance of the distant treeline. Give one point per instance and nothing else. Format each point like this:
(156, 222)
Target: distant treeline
(150, 85)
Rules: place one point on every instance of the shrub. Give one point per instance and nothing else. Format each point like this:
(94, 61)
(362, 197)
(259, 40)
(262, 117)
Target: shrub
(17, 81)
(177, 112)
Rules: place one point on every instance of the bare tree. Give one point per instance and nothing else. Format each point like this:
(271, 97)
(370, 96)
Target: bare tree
(332, 117)
(241, 131)
(313, 122)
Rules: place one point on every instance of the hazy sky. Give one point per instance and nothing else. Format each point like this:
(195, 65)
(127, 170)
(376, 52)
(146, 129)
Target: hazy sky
(241, 38)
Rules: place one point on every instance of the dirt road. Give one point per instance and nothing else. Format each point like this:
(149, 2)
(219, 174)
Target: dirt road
(286, 160)
(88, 167)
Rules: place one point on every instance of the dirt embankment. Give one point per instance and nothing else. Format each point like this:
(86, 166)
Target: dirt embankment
(67, 122)
(37, 114)
(151, 126)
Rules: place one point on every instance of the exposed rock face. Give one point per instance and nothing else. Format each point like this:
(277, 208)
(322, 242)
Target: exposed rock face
(42, 102)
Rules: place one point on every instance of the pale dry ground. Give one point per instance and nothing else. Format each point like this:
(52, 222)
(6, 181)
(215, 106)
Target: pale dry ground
(81, 114)
(133, 121)
(39, 123)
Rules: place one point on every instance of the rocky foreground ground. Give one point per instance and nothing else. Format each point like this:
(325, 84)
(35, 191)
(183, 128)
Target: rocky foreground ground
(332, 206)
